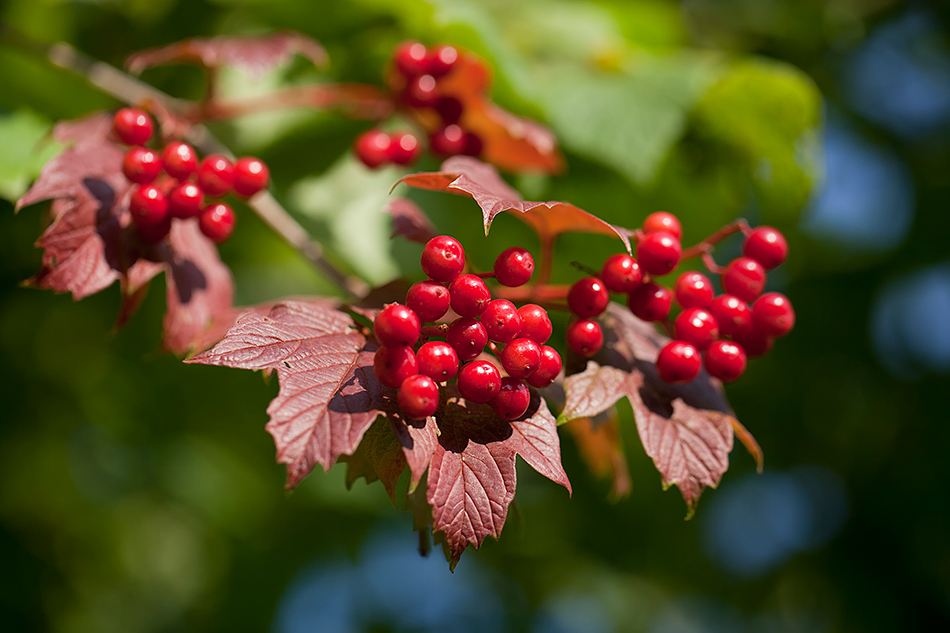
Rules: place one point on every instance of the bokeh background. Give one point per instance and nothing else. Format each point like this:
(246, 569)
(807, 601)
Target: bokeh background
(138, 494)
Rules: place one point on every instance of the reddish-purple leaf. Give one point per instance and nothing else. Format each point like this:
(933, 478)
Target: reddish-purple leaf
(467, 176)
(325, 370)
(686, 429)
(254, 54)
(472, 477)
(378, 457)
(409, 221)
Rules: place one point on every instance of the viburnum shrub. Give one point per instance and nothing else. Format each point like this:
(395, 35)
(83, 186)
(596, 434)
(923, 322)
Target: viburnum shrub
(450, 379)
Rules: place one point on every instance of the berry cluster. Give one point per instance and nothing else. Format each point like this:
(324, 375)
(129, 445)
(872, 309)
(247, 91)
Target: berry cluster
(516, 336)
(376, 148)
(156, 200)
(720, 331)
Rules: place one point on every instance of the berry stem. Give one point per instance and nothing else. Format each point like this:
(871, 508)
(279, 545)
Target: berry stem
(488, 275)
(584, 269)
(435, 330)
(547, 263)
(360, 101)
(705, 246)
(711, 264)
(493, 348)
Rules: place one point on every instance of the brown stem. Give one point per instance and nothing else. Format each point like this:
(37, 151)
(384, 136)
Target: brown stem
(715, 238)
(494, 348)
(435, 330)
(547, 262)
(711, 264)
(361, 101)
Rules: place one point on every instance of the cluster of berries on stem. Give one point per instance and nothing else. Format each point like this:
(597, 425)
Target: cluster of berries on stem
(181, 192)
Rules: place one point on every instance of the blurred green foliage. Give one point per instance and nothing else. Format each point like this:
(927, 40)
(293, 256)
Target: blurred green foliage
(139, 494)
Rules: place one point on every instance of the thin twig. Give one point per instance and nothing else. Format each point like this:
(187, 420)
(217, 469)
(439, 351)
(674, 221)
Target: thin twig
(715, 238)
(128, 89)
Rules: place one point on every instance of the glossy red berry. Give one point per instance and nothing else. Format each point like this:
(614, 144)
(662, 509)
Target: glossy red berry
(448, 141)
(141, 165)
(621, 273)
(185, 200)
(502, 321)
(650, 302)
(548, 370)
(479, 381)
(393, 365)
(132, 126)
(396, 326)
(467, 336)
(438, 360)
(772, 313)
(725, 360)
(469, 295)
(743, 277)
(442, 60)
(179, 160)
(428, 299)
(535, 323)
(588, 297)
(697, 327)
(443, 258)
(418, 396)
(663, 221)
(693, 290)
(731, 313)
(521, 357)
(411, 59)
(754, 341)
(767, 246)
(678, 362)
(148, 205)
(514, 267)
(659, 252)
(584, 337)
(250, 176)
(372, 148)
(217, 221)
(421, 92)
(512, 399)
(404, 148)
(216, 175)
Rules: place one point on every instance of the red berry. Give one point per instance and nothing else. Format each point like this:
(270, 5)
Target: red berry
(521, 357)
(404, 148)
(548, 370)
(372, 148)
(502, 321)
(141, 165)
(767, 246)
(418, 396)
(442, 60)
(693, 290)
(185, 200)
(659, 252)
(132, 126)
(754, 341)
(514, 267)
(697, 327)
(393, 365)
(216, 175)
(148, 205)
(154, 233)
(411, 59)
(448, 141)
(678, 362)
(216, 221)
(469, 295)
(585, 337)
(588, 297)
(772, 313)
(535, 323)
(731, 313)
(429, 300)
(250, 176)
(179, 160)
(449, 109)
(512, 399)
(621, 273)
(438, 360)
(743, 277)
(396, 326)
(421, 92)
(479, 381)
(650, 302)
(663, 221)
(467, 336)
(443, 258)
(473, 145)
(725, 360)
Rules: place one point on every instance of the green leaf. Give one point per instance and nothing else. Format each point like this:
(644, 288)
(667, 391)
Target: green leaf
(23, 153)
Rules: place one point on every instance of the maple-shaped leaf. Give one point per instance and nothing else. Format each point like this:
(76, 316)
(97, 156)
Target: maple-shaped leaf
(686, 429)
(463, 175)
(325, 371)
(409, 221)
(472, 478)
(253, 54)
(510, 142)
(600, 446)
